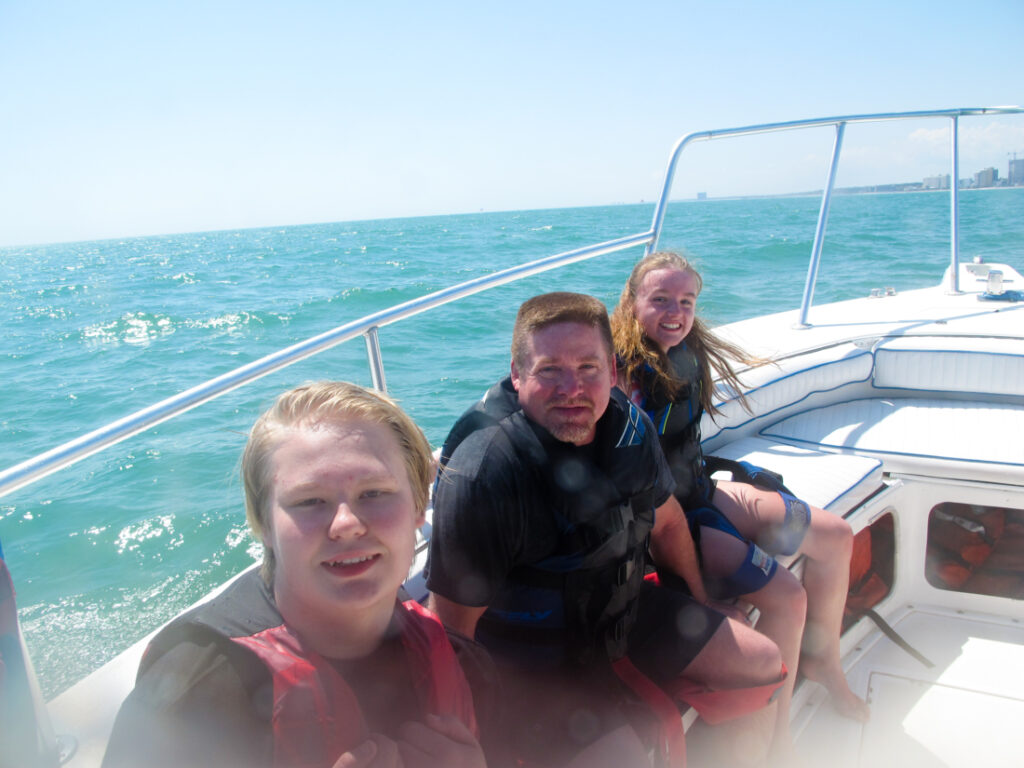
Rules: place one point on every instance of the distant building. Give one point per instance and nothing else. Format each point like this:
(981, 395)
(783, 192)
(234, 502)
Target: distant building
(986, 178)
(1015, 177)
(936, 182)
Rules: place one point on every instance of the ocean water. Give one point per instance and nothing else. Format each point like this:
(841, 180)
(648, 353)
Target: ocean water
(108, 549)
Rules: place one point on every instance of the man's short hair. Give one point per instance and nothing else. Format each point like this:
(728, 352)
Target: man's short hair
(553, 308)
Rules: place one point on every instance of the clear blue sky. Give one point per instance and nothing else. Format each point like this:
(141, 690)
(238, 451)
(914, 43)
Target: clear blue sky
(145, 117)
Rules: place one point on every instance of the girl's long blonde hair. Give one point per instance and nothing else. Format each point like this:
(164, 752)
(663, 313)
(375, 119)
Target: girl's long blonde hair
(636, 350)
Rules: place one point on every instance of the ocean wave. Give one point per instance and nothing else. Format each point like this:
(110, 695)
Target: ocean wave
(231, 323)
(86, 629)
(143, 328)
(131, 537)
(237, 535)
(44, 312)
(139, 328)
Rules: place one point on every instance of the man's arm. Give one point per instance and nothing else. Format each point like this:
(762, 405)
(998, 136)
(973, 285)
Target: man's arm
(672, 546)
(455, 616)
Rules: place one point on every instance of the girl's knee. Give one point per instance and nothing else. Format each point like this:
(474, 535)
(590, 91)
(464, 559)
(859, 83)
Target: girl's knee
(783, 595)
(736, 656)
(762, 657)
(829, 538)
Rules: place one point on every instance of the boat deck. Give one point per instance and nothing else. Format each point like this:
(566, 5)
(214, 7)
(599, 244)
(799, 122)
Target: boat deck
(965, 711)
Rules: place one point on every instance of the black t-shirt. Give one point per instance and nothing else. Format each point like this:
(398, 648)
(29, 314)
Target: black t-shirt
(492, 513)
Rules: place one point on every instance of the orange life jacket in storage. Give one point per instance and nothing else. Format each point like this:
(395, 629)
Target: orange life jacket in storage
(960, 538)
(871, 569)
(316, 717)
(1002, 571)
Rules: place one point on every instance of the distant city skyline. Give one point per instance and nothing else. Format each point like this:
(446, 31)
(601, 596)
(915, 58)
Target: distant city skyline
(986, 177)
(983, 179)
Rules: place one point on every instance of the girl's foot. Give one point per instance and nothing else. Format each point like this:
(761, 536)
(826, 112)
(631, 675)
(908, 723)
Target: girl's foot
(846, 702)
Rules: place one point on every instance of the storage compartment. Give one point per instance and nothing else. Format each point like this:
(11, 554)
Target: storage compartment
(975, 548)
(872, 568)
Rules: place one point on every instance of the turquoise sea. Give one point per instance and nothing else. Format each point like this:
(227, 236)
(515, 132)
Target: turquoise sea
(110, 548)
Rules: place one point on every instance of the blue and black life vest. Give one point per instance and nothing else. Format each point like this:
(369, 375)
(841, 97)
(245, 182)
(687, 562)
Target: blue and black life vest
(578, 604)
(678, 424)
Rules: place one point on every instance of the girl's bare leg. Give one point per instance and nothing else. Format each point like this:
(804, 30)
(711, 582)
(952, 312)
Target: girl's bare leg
(782, 603)
(827, 546)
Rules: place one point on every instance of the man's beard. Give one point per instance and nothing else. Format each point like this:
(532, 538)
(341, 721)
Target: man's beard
(573, 431)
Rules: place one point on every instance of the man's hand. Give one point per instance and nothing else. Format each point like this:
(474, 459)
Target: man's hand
(730, 610)
(672, 547)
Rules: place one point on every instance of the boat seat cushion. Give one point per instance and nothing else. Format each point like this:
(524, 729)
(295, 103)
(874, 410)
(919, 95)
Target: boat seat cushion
(773, 387)
(985, 366)
(930, 363)
(831, 481)
(971, 440)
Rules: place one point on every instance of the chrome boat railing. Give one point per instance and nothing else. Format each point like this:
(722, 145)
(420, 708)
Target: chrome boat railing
(839, 123)
(63, 455)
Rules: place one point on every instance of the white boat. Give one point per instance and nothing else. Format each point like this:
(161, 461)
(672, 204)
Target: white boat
(903, 412)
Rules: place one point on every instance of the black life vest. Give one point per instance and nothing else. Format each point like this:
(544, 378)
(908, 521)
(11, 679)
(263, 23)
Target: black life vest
(578, 604)
(678, 425)
(316, 716)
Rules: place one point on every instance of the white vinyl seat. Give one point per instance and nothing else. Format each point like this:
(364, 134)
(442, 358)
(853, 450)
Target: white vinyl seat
(935, 437)
(831, 481)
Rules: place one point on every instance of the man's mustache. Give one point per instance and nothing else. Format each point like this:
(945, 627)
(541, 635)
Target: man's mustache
(577, 402)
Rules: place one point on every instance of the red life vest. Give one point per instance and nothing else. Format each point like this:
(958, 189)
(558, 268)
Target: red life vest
(316, 717)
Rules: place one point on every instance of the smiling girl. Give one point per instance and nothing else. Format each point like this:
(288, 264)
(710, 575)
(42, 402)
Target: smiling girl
(669, 359)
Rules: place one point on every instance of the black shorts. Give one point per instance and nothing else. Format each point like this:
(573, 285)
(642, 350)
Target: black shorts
(671, 629)
(552, 714)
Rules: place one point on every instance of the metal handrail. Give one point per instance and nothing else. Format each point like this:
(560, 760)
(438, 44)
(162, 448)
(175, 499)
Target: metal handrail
(44, 464)
(839, 123)
(819, 230)
(34, 469)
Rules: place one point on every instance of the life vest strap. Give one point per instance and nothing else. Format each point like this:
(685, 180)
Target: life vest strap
(671, 736)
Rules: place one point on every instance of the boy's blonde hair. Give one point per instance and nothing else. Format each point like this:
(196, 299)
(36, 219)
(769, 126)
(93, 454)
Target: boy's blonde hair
(319, 403)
